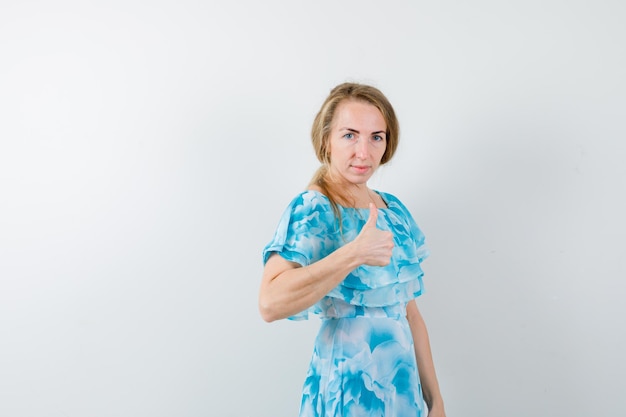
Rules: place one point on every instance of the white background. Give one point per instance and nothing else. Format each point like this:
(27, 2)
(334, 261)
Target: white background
(148, 148)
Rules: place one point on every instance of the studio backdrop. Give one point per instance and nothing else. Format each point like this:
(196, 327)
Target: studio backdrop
(148, 149)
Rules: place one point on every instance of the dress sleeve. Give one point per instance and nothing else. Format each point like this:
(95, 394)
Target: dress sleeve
(305, 234)
(305, 231)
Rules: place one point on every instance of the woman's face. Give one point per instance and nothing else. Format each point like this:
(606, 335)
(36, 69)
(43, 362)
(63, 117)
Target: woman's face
(357, 141)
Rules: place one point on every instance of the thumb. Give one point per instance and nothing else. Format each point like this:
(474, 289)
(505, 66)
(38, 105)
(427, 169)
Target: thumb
(371, 220)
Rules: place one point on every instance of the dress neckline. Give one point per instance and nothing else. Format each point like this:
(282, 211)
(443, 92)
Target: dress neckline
(380, 194)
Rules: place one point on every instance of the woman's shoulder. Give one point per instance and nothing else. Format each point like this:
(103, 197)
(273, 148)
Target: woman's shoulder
(398, 207)
(308, 213)
(395, 204)
(310, 200)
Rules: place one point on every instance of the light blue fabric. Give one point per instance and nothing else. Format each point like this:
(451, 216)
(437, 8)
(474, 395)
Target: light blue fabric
(363, 361)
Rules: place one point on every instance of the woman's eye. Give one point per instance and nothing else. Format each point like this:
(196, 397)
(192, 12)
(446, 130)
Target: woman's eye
(378, 138)
(348, 136)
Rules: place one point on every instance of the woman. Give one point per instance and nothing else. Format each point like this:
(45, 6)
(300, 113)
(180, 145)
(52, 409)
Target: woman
(352, 255)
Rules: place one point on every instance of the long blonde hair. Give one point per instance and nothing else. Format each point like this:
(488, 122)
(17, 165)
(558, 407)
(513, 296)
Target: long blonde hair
(320, 135)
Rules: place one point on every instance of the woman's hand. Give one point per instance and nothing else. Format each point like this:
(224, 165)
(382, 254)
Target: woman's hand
(373, 246)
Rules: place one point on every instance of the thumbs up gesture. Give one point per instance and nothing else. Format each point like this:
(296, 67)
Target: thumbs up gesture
(373, 246)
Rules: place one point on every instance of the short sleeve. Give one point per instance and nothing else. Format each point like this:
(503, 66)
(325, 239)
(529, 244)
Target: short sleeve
(305, 231)
(305, 234)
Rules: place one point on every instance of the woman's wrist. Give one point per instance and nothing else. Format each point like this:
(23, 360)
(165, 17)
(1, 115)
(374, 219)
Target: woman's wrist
(351, 255)
(434, 403)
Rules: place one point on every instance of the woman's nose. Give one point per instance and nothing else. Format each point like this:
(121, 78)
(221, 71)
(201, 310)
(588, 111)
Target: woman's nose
(362, 148)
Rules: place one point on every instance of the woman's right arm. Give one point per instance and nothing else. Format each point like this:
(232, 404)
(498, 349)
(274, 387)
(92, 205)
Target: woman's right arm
(288, 288)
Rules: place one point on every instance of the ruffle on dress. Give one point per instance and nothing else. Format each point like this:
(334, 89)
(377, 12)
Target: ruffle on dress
(309, 231)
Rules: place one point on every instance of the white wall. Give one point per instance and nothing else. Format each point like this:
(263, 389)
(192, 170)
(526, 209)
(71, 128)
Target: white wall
(147, 150)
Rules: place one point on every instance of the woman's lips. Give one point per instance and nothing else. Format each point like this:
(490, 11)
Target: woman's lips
(360, 169)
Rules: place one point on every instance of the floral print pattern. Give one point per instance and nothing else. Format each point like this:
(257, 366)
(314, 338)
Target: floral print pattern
(363, 361)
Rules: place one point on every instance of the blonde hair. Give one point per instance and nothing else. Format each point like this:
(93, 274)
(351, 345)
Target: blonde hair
(320, 134)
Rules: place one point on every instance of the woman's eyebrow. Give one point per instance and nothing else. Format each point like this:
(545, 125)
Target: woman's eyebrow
(378, 132)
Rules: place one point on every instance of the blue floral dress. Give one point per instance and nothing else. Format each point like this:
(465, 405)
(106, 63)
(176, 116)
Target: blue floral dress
(363, 361)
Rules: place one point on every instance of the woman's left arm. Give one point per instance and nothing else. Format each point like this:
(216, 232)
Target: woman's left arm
(425, 365)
